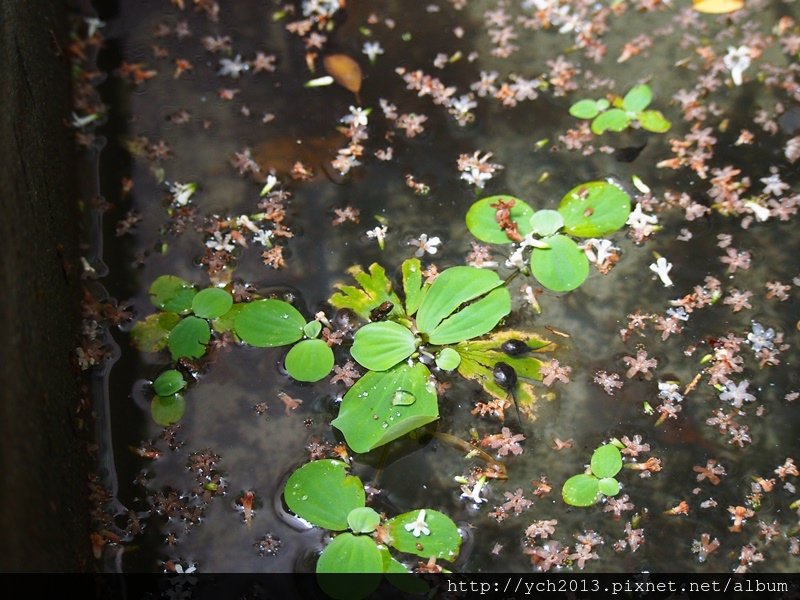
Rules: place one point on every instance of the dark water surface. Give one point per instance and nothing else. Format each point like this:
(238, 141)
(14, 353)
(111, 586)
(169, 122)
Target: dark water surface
(258, 451)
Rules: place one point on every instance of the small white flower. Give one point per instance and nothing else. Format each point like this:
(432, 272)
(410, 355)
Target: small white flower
(372, 50)
(425, 244)
(599, 250)
(358, 117)
(181, 192)
(638, 219)
(233, 67)
(378, 233)
(263, 237)
(270, 183)
(93, 24)
(418, 527)
(220, 242)
(736, 61)
(661, 268)
(475, 493)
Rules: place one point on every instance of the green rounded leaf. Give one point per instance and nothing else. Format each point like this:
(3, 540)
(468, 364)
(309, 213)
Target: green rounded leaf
(350, 567)
(606, 461)
(448, 359)
(226, 321)
(581, 490)
(189, 338)
(167, 410)
(442, 540)
(452, 288)
(482, 224)
(638, 98)
(546, 222)
(323, 493)
(172, 294)
(369, 416)
(613, 119)
(380, 346)
(211, 303)
(412, 284)
(653, 120)
(309, 360)
(168, 383)
(603, 104)
(474, 319)
(608, 486)
(151, 335)
(594, 209)
(562, 267)
(312, 329)
(584, 109)
(269, 323)
(363, 520)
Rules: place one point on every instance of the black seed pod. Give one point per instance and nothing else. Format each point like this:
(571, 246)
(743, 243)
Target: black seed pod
(505, 376)
(515, 347)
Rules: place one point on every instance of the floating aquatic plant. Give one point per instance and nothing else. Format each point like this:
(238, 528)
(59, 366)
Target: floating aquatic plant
(323, 493)
(587, 488)
(620, 113)
(590, 210)
(436, 324)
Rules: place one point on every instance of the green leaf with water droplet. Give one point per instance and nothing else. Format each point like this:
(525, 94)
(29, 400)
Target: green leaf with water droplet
(189, 338)
(482, 223)
(172, 294)
(594, 209)
(211, 303)
(167, 410)
(168, 383)
(269, 323)
(309, 360)
(403, 398)
(606, 461)
(368, 418)
(562, 267)
(380, 346)
(323, 493)
(443, 540)
(363, 520)
(581, 490)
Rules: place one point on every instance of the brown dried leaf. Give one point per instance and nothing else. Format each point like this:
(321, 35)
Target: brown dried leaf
(344, 70)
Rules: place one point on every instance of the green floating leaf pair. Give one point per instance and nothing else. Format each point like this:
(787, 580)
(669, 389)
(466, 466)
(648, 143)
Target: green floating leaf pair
(324, 494)
(589, 210)
(622, 113)
(587, 488)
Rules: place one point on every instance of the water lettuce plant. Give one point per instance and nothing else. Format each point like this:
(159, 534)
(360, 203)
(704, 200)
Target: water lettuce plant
(188, 317)
(620, 113)
(587, 488)
(435, 325)
(323, 493)
(590, 210)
